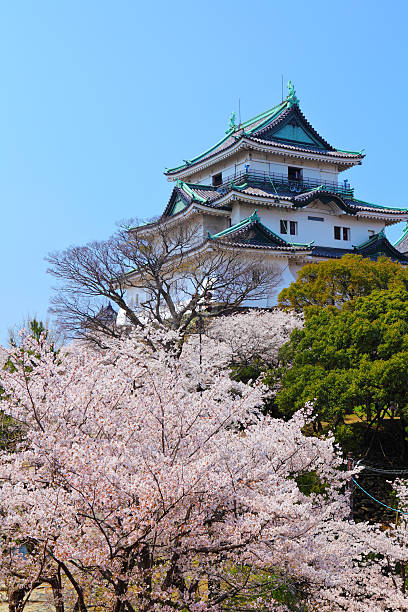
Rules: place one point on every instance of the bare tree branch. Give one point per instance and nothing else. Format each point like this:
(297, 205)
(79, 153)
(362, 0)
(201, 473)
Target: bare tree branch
(172, 266)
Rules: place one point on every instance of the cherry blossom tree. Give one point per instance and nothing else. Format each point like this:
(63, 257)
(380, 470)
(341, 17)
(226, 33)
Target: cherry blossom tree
(253, 337)
(131, 491)
(256, 334)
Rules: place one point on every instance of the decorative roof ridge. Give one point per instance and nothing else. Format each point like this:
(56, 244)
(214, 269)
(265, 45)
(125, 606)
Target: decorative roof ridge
(199, 186)
(239, 187)
(280, 110)
(190, 192)
(273, 110)
(359, 153)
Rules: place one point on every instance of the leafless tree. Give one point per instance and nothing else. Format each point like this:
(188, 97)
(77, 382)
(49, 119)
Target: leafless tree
(176, 270)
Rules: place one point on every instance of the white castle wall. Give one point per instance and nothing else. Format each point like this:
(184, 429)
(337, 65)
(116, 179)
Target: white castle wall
(268, 163)
(319, 232)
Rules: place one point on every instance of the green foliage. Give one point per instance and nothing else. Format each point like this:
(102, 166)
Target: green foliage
(335, 281)
(356, 356)
(266, 586)
(10, 430)
(310, 483)
(34, 327)
(247, 372)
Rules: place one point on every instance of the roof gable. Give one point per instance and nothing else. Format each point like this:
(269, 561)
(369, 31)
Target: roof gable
(184, 194)
(293, 132)
(251, 232)
(292, 127)
(178, 205)
(325, 197)
(283, 124)
(178, 201)
(255, 233)
(379, 246)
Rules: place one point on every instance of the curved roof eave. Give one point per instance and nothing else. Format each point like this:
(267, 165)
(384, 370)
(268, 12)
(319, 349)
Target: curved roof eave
(244, 142)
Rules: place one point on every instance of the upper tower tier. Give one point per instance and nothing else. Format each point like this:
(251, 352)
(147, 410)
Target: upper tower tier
(280, 135)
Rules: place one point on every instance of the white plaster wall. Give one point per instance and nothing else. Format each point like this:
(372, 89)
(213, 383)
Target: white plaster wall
(315, 173)
(228, 168)
(266, 162)
(285, 276)
(321, 232)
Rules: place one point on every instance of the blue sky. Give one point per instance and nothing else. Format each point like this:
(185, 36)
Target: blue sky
(97, 97)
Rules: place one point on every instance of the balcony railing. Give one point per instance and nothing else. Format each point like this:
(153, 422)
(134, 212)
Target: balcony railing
(280, 183)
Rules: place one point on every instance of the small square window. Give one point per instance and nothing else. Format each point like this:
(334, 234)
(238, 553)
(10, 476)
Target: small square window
(294, 174)
(283, 227)
(293, 228)
(217, 179)
(346, 233)
(337, 232)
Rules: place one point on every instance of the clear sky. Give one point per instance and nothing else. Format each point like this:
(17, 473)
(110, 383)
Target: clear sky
(98, 97)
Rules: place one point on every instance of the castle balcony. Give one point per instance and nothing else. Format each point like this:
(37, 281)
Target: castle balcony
(281, 184)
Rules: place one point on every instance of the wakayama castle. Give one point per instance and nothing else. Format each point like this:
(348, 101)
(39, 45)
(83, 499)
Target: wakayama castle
(273, 188)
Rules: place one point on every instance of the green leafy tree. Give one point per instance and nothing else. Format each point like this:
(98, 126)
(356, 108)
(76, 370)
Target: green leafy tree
(350, 360)
(333, 282)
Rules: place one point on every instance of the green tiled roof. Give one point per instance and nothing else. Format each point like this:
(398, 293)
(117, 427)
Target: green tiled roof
(396, 208)
(237, 226)
(187, 189)
(256, 128)
(260, 121)
(254, 218)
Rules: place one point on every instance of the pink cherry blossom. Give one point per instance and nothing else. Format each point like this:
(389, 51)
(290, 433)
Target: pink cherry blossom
(145, 493)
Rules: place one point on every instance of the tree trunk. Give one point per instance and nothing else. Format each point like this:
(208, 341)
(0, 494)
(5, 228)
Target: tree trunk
(80, 605)
(56, 586)
(16, 599)
(121, 604)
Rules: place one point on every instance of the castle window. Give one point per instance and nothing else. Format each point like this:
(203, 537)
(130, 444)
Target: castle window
(294, 174)
(217, 179)
(292, 226)
(340, 232)
(316, 218)
(371, 233)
